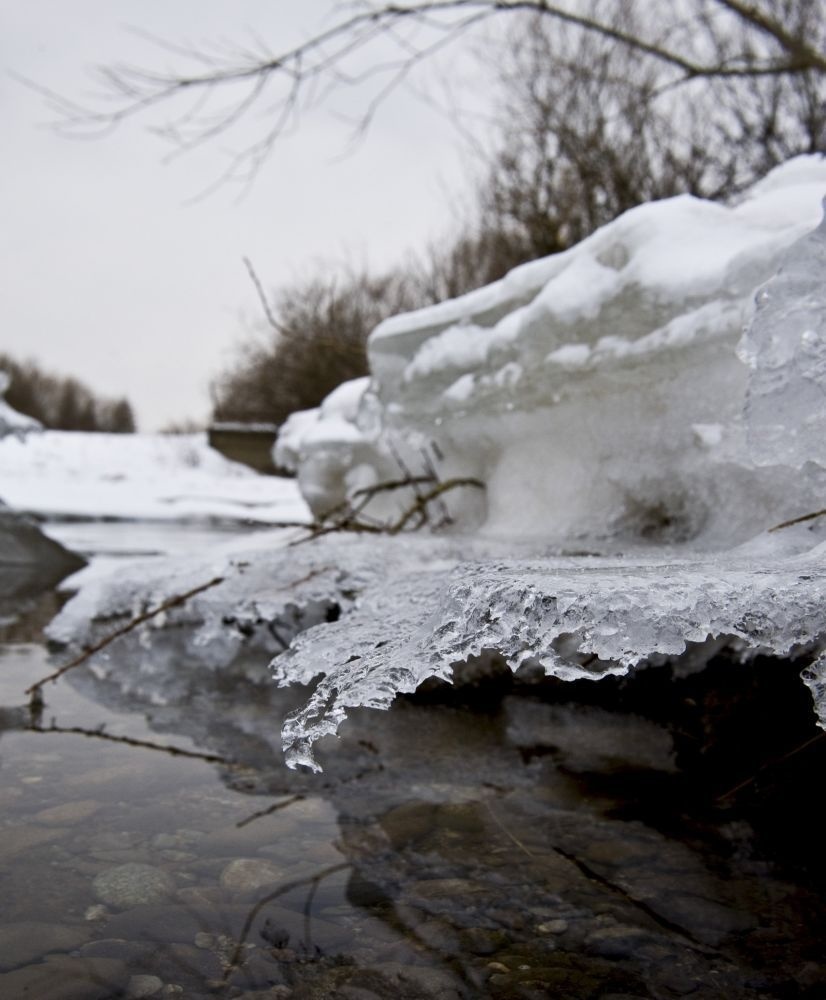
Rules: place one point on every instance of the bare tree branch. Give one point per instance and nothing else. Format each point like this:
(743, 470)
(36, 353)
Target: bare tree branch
(764, 46)
(172, 602)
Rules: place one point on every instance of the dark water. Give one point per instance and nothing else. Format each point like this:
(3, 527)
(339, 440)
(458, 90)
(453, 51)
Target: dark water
(502, 841)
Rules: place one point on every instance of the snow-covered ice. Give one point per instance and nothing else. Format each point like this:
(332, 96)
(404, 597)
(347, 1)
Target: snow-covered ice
(599, 396)
(577, 387)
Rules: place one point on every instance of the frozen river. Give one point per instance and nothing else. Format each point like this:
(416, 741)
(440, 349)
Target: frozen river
(516, 838)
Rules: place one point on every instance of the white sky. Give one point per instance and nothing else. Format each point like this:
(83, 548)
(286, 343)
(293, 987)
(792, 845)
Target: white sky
(111, 275)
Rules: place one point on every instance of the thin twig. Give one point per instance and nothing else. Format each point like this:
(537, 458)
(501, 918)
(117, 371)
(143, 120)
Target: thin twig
(280, 891)
(99, 734)
(798, 520)
(346, 516)
(167, 605)
(770, 764)
(259, 288)
(270, 810)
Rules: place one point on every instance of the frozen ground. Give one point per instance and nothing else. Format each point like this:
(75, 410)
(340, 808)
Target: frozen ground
(57, 474)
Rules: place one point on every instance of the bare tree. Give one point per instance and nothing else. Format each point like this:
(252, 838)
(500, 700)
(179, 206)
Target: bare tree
(315, 339)
(676, 44)
(63, 403)
(587, 130)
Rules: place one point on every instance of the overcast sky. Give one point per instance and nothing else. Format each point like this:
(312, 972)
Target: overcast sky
(111, 273)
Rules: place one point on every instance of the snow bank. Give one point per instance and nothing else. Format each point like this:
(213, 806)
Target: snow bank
(598, 392)
(147, 476)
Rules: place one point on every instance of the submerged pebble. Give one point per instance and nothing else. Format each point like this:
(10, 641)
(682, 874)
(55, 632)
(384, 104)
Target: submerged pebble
(247, 874)
(143, 986)
(133, 884)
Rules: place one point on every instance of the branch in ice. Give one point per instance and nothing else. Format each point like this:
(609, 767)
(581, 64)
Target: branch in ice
(130, 741)
(799, 520)
(35, 691)
(350, 515)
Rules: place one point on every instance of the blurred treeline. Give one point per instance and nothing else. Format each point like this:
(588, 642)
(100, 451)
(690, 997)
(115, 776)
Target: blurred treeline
(584, 130)
(61, 403)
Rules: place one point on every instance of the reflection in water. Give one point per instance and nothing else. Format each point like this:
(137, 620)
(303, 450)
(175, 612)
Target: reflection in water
(153, 844)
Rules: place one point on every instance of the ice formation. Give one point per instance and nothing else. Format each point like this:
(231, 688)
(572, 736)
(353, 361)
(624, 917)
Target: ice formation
(600, 397)
(597, 392)
(785, 346)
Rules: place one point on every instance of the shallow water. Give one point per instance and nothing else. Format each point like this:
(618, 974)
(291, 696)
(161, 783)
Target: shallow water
(514, 845)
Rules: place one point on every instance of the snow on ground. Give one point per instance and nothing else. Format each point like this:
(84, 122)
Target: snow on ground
(59, 474)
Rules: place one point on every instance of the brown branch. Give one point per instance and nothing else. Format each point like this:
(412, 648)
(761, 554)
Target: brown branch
(798, 520)
(262, 298)
(768, 766)
(346, 516)
(269, 811)
(167, 605)
(802, 55)
(99, 734)
(235, 959)
(320, 63)
(420, 506)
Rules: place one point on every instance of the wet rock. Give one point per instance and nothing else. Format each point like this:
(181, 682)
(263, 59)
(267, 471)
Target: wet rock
(258, 971)
(125, 886)
(705, 920)
(127, 951)
(143, 986)
(68, 813)
(439, 936)
(249, 874)
(430, 981)
(199, 963)
(21, 839)
(29, 561)
(23, 943)
(557, 926)
(619, 941)
(480, 941)
(115, 774)
(63, 978)
(409, 823)
(444, 888)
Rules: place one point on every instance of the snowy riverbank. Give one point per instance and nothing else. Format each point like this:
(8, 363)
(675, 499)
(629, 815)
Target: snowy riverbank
(68, 475)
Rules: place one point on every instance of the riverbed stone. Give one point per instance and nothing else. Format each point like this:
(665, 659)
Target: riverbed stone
(63, 978)
(21, 839)
(23, 943)
(249, 874)
(125, 886)
(143, 986)
(67, 813)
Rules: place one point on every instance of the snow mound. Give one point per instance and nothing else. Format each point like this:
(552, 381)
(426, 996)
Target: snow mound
(598, 393)
(148, 476)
